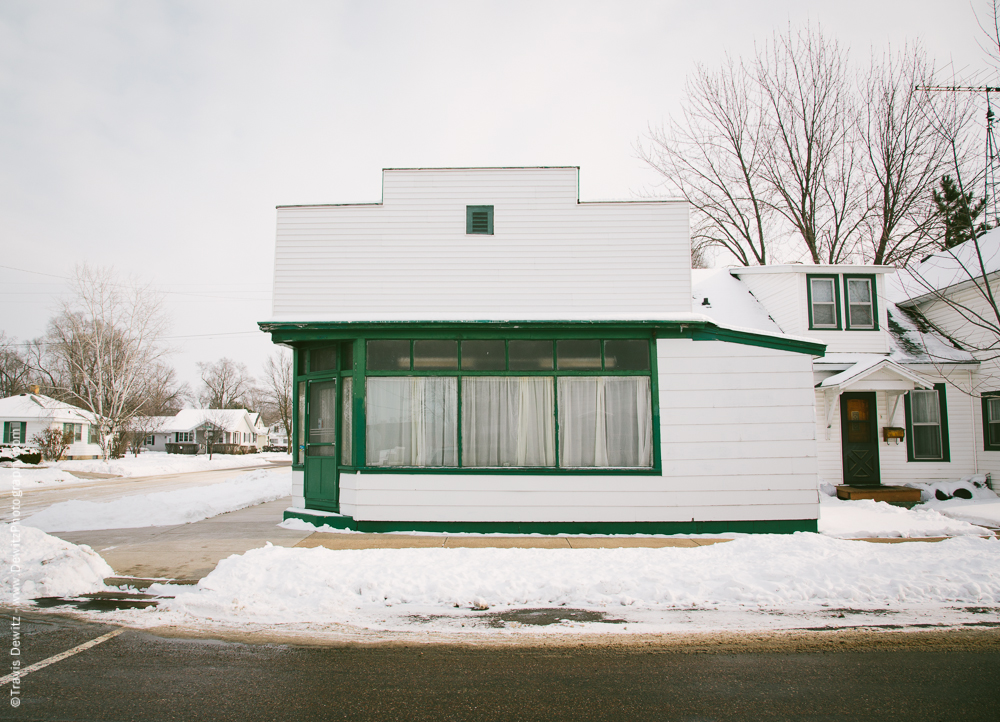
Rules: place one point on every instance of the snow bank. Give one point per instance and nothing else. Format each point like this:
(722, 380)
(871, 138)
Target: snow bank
(180, 506)
(981, 511)
(862, 518)
(33, 477)
(285, 585)
(154, 463)
(45, 566)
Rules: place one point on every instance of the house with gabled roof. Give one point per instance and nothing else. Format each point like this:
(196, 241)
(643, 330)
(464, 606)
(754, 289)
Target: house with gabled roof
(25, 415)
(482, 350)
(238, 430)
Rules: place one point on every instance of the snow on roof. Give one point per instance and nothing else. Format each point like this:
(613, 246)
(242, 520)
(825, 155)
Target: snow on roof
(944, 269)
(911, 339)
(867, 365)
(37, 406)
(227, 419)
(730, 302)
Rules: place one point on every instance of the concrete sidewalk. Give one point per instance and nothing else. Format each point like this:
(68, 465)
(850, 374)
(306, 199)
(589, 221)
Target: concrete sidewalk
(191, 551)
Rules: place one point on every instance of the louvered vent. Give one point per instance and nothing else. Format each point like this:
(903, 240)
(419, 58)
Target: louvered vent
(479, 219)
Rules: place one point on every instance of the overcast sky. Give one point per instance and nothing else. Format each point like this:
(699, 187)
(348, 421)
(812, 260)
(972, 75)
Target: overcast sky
(157, 137)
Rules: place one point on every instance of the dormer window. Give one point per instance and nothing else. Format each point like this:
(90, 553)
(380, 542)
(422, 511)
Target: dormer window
(860, 303)
(824, 302)
(479, 220)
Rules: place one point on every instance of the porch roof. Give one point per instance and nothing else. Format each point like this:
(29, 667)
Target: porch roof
(872, 372)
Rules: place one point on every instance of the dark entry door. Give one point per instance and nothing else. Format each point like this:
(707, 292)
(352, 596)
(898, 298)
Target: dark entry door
(859, 438)
(321, 479)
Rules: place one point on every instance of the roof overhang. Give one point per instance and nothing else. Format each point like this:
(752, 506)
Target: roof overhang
(875, 374)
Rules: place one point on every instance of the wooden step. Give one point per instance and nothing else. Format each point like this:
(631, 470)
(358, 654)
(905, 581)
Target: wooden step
(878, 493)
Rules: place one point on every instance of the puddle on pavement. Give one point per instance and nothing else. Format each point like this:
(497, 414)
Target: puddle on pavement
(101, 601)
(547, 616)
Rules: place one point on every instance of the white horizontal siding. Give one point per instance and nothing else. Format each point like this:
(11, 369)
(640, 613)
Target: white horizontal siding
(785, 297)
(732, 450)
(964, 439)
(549, 254)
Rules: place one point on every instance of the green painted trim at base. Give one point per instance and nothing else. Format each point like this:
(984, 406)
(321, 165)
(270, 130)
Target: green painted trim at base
(773, 526)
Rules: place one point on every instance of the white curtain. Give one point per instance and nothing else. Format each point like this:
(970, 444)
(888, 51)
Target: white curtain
(411, 421)
(605, 421)
(508, 421)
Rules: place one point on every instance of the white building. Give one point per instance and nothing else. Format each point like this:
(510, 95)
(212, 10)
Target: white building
(480, 350)
(897, 394)
(238, 431)
(25, 415)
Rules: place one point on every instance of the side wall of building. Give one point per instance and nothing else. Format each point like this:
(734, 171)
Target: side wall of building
(737, 441)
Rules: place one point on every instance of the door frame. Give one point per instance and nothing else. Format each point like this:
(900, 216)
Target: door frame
(872, 398)
(322, 465)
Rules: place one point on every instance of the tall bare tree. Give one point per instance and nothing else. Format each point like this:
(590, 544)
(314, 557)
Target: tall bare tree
(15, 372)
(714, 158)
(278, 379)
(105, 339)
(226, 384)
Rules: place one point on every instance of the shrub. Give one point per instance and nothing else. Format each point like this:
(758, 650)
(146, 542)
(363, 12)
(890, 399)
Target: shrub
(52, 443)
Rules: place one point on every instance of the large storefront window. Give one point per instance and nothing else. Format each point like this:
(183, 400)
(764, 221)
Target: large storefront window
(576, 403)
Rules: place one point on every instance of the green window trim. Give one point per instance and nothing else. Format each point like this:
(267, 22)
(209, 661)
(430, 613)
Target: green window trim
(987, 446)
(847, 301)
(8, 431)
(479, 220)
(359, 373)
(945, 444)
(835, 283)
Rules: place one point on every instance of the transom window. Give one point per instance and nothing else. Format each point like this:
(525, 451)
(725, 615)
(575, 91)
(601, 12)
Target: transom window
(568, 403)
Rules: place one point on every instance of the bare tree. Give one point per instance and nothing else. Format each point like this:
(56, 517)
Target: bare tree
(906, 142)
(15, 372)
(714, 158)
(278, 380)
(810, 163)
(105, 339)
(226, 384)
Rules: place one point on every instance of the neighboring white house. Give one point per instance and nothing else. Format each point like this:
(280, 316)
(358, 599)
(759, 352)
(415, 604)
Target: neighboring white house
(239, 430)
(896, 399)
(25, 415)
(278, 435)
(482, 351)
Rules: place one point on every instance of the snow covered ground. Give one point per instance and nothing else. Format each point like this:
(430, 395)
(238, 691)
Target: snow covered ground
(752, 583)
(33, 477)
(865, 518)
(154, 463)
(179, 506)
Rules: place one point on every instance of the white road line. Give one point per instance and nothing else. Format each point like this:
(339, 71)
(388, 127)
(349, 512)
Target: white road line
(61, 656)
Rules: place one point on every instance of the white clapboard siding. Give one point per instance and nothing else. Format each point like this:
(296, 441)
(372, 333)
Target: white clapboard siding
(784, 295)
(963, 435)
(550, 255)
(729, 454)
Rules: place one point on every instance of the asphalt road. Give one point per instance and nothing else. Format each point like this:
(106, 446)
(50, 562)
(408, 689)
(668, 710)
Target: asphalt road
(138, 676)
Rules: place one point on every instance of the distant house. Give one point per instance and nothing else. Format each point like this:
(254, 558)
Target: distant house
(278, 435)
(483, 351)
(25, 415)
(236, 431)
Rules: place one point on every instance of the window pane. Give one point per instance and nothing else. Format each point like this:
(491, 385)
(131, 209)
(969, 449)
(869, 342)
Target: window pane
(626, 355)
(322, 413)
(484, 356)
(508, 421)
(861, 317)
(577, 354)
(300, 429)
(441, 355)
(927, 442)
(824, 315)
(993, 408)
(346, 419)
(605, 421)
(530, 355)
(388, 355)
(994, 432)
(822, 290)
(924, 407)
(300, 356)
(411, 421)
(859, 291)
(323, 359)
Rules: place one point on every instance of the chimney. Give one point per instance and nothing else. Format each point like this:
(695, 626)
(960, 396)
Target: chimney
(35, 389)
